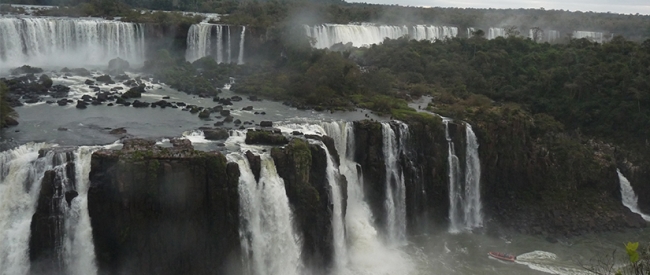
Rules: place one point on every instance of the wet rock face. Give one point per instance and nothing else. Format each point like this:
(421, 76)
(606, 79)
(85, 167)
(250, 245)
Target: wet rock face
(370, 155)
(303, 168)
(48, 222)
(164, 210)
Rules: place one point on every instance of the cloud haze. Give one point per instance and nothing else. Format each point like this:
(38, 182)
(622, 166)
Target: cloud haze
(621, 6)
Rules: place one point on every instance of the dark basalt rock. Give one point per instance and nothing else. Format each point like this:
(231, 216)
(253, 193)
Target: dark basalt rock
(81, 104)
(224, 112)
(236, 98)
(216, 134)
(135, 92)
(248, 108)
(255, 163)
(118, 66)
(303, 168)
(266, 124)
(105, 78)
(140, 104)
(265, 138)
(62, 102)
(164, 211)
(204, 114)
(25, 69)
(89, 82)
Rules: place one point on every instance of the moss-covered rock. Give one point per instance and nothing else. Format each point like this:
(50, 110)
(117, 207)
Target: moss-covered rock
(265, 138)
(303, 168)
(164, 210)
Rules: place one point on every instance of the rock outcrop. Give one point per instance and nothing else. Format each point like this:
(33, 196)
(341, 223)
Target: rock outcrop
(303, 167)
(164, 210)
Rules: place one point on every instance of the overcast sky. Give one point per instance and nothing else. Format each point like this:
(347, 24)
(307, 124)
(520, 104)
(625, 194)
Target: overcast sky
(616, 6)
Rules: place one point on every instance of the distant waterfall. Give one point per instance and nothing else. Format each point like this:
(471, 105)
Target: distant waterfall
(366, 251)
(22, 172)
(214, 40)
(269, 242)
(593, 36)
(39, 41)
(362, 35)
(240, 60)
(496, 32)
(542, 36)
(464, 191)
(630, 199)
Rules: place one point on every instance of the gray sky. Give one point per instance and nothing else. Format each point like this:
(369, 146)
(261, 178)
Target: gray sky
(615, 6)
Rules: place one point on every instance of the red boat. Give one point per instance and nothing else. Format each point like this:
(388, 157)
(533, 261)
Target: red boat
(502, 256)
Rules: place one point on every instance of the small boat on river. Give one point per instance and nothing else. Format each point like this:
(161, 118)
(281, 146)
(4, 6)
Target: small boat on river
(502, 256)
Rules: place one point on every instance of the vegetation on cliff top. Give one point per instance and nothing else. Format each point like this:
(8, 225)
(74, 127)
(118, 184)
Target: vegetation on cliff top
(7, 114)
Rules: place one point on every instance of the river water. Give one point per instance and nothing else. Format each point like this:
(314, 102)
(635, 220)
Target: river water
(438, 252)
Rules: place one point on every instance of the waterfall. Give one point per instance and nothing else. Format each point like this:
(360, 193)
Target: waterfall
(464, 192)
(367, 254)
(79, 246)
(395, 190)
(542, 36)
(22, 173)
(69, 41)
(205, 39)
(496, 32)
(20, 181)
(593, 36)
(240, 60)
(338, 224)
(361, 35)
(473, 213)
(269, 242)
(630, 199)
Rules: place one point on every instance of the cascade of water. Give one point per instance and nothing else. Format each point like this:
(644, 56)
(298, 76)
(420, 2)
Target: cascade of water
(473, 213)
(327, 35)
(202, 43)
(229, 46)
(20, 179)
(464, 192)
(367, 254)
(455, 197)
(79, 246)
(338, 224)
(628, 196)
(69, 41)
(593, 36)
(240, 59)
(395, 190)
(496, 32)
(269, 242)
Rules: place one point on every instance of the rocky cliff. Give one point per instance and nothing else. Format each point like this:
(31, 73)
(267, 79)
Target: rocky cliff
(303, 166)
(160, 210)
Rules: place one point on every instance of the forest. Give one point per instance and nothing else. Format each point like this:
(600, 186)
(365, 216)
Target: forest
(599, 90)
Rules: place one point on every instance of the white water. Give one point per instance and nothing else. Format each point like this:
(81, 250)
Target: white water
(20, 184)
(22, 173)
(496, 32)
(240, 59)
(338, 224)
(362, 35)
(79, 247)
(269, 242)
(40, 41)
(547, 262)
(472, 208)
(544, 36)
(464, 193)
(366, 251)
(628, 196)
(214, 40)
(395, 190)
(593, 36)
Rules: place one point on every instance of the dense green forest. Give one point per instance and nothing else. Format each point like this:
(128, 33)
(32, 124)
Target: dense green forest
(599, 90)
